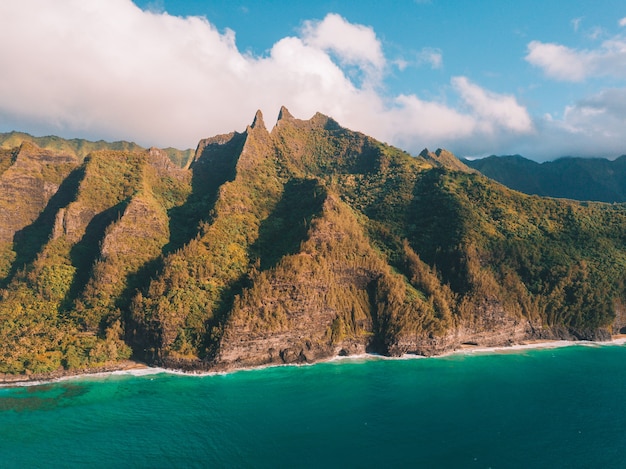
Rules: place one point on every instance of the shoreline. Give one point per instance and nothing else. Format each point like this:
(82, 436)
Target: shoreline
(136, 368)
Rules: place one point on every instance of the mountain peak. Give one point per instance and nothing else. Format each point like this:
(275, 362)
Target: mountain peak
(444, 159)
(284, 114)
(258, 120)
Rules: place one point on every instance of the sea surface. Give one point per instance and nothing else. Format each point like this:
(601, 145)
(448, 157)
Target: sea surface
(551, 408)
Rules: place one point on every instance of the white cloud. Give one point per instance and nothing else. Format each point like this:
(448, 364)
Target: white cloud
(485, 121)
(563, 63)
(557, 61)
(622, 22)
(401, 64)
(493, 111)
(589, 127)
(430, 56)
(155, 6)
(576, 23)
(353, 44)
(106, 69)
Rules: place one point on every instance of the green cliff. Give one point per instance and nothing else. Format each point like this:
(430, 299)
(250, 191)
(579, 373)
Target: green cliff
(290, 245)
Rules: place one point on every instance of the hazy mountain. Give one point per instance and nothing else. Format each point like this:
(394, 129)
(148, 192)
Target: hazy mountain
(573, 178)
(288, 246)
(79, 148)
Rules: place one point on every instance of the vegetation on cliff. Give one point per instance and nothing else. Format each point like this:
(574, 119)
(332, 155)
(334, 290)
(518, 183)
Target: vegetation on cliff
(292, 245)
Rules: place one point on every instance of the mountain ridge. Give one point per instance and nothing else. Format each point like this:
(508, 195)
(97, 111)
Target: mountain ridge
(294, 245)
(597, 179)
(79, 148)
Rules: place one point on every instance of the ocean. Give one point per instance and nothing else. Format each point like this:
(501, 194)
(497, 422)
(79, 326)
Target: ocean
(552, 408)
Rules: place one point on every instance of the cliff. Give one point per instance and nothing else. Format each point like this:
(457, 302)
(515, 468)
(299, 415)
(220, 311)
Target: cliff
(285, 246)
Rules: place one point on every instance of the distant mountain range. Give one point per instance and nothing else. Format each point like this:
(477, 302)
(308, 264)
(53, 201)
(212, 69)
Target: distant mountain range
(594, 179)
(288, 246)
(80, 148)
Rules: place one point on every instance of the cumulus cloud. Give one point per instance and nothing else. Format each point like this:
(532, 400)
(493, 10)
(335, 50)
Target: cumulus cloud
(622, 22)
(559, 62)
(107, 69)
(566, 64)
(355, 45)
(493, 110)
(590, 127)
(483, 121)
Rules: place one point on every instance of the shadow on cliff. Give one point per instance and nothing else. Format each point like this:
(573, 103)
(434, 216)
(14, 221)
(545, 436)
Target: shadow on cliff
(437, 225)
(29, 241)
(215, 166)
(280, 235)
(85, 252)
(286, 228)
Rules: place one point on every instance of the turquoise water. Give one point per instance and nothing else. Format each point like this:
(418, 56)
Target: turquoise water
(542, 408)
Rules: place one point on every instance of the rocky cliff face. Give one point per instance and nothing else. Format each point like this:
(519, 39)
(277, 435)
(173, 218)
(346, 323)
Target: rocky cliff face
(28, 184)
(285, 246)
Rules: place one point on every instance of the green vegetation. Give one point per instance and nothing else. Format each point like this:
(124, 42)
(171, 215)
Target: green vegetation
(67, 308)
(287, 246)
(573, 178)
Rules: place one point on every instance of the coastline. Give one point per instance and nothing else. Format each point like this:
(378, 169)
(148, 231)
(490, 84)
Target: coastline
(136, 368)
(124, 367)
(538, 344)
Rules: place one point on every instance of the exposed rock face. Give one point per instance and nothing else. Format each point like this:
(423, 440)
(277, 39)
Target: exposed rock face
(27, 186)
(140, 221)
(619, 324)
(491, 327)
(72, 222)
(280, 320)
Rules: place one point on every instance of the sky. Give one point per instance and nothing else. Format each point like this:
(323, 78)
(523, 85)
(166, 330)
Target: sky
(543, 79)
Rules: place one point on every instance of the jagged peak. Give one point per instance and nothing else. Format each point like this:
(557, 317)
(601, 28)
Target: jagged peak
(284, 114)
(258, 121)
(159, 159)
(216, 141)
(318, 121)
(425, 153)
(444, 159)
(27, 145)
(319, 118)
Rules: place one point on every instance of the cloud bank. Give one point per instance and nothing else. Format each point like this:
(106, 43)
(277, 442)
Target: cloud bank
(106, 69)
(565, 64)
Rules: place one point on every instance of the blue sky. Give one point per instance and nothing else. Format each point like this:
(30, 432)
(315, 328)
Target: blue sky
(540, 78)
